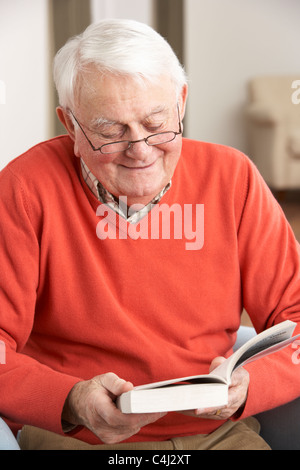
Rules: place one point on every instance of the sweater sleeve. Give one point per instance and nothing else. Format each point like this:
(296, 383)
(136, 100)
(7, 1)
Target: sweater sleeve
(31, 393)
(270, 272)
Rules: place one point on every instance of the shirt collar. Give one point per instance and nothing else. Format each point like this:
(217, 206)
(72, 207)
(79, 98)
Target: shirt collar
(107, 198)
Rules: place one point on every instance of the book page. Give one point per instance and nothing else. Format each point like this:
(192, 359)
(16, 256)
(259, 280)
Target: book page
(264, 348)
(193, 379)
(267, 342)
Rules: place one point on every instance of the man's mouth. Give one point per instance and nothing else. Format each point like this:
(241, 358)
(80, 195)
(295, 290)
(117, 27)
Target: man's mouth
(139, 167)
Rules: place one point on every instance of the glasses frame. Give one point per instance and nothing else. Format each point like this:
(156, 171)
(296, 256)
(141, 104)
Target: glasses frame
(130, 142)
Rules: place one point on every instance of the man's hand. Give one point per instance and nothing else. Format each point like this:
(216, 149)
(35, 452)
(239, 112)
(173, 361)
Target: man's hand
(91, 404)
(237, 395)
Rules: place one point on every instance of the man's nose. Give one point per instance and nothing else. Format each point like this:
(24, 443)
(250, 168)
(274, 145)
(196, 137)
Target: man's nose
(138, 149)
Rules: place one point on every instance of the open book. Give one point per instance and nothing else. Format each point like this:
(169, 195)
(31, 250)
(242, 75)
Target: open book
(203, 391)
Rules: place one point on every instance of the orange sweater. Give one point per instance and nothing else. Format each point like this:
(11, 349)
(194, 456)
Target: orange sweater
(77, 301)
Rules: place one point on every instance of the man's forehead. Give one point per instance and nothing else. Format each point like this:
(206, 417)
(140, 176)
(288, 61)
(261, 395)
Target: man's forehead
(107, 92)
(101, 118)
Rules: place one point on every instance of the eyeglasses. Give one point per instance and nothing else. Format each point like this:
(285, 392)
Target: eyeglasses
(123, 145)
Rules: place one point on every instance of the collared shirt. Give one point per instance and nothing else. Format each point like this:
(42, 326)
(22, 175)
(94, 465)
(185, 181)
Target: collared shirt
(118, 206)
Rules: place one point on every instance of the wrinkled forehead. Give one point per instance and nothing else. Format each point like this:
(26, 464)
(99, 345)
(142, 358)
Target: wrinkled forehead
(111, 92)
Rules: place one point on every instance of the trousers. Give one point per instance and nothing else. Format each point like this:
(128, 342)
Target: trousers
(240, 435)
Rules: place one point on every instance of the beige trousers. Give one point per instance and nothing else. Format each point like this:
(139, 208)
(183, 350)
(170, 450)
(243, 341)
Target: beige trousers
(240, 435)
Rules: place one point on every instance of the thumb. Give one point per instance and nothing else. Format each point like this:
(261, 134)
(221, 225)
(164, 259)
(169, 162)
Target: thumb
(113, 384)
(216, 362)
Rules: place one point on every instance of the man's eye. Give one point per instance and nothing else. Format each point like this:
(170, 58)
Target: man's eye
(110, 136)
(154, 128)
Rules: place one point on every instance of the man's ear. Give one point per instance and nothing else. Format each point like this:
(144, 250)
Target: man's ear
(66, 121)
(182, 101)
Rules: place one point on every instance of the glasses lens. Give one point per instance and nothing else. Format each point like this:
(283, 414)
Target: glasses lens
(155, 139)
(162, 138)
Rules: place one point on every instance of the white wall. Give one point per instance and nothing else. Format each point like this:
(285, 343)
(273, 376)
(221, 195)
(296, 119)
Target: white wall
(24, 69)
(139, 10)
(227, 42)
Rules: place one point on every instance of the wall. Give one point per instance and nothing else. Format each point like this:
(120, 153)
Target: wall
(24, 69)
(226, 43)
(139, 10)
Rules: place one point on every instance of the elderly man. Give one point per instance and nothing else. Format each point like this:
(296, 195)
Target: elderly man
(127, 256)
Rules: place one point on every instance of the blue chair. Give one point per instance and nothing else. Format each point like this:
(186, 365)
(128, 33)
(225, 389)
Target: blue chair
(280, 427)
(7, 439)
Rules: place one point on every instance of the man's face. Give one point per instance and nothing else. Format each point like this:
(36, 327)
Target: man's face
(113, 108)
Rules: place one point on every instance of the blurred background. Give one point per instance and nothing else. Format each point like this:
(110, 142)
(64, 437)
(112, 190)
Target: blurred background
(225, 45)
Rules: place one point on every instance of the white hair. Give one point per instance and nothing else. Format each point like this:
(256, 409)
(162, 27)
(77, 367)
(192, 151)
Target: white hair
(118, 47)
